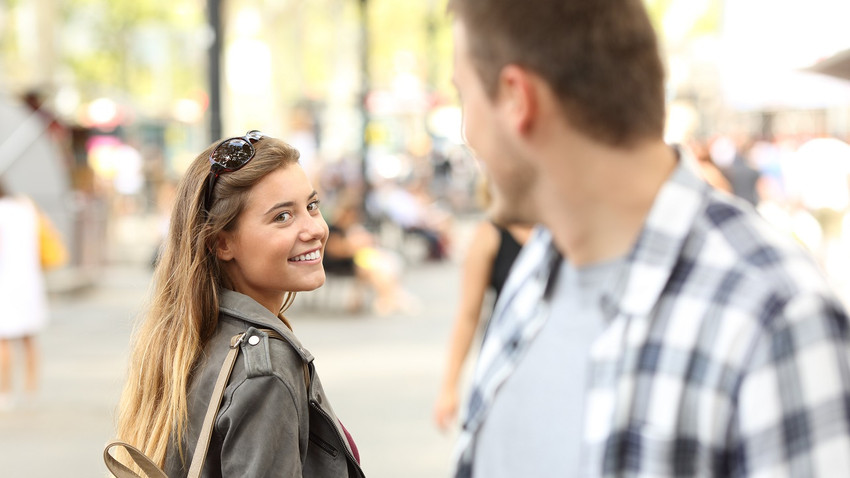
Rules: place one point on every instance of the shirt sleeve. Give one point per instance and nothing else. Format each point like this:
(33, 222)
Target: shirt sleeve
(260, 430)
(794, 403)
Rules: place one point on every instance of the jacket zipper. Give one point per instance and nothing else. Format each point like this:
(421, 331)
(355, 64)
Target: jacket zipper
(329, 449)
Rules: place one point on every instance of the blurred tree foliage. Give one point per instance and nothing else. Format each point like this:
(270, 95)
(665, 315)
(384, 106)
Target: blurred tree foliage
(419, 27)
(707, 20)
(156, 49)
(141, 48)
(314, 42)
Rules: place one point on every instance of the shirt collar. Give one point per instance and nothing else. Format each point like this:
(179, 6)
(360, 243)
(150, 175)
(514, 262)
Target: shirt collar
(651, 261)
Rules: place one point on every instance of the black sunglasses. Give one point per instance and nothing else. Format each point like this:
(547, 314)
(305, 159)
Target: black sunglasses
(230, 155)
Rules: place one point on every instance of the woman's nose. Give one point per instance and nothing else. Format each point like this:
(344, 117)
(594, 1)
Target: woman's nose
(314, 228)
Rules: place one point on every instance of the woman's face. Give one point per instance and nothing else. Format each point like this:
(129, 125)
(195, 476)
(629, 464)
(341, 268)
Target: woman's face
(278, 242)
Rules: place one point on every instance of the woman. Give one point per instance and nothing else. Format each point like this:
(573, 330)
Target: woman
(353, 251)
(245, 235)
(22, 292)
(488, 261)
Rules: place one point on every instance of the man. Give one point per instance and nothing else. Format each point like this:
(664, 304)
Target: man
(655, 327)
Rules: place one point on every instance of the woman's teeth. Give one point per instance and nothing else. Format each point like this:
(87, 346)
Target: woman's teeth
(306, 257)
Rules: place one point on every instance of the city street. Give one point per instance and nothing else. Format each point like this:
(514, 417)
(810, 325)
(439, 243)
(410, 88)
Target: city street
(380, 372)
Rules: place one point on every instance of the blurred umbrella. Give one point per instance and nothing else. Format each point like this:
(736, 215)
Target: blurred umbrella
(31, 164)
(837, 65)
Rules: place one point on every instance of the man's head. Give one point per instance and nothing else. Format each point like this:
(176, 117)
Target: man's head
(600, 58)
(540, 80)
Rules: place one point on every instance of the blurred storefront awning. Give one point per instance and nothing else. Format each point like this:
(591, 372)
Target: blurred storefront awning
(31, 164)
(767, 47)
(837, 65)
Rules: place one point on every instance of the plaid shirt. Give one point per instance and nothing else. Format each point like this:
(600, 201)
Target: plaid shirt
(725, 353)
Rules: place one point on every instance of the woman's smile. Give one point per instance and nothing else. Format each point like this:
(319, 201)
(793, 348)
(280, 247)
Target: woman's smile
(312, 257)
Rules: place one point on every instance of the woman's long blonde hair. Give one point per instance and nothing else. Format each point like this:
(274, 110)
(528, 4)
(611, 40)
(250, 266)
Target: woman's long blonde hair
(182, 314)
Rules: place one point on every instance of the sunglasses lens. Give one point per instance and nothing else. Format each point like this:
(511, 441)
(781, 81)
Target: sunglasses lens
(232, 154)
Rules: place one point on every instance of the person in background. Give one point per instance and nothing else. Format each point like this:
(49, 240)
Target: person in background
(353, 251)
(22, 293)
(653, 326)
(743, 176)
(411, 207)
(491, 253)
(709, 171)
(245, 235)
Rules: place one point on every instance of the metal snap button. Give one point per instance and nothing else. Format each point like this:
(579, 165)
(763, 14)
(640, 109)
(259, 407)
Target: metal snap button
(253, 340)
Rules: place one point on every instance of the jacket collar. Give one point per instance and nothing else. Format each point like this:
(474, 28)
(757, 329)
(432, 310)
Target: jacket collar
(245, 308)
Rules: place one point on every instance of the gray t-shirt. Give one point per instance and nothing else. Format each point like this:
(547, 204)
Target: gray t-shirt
(534, 427)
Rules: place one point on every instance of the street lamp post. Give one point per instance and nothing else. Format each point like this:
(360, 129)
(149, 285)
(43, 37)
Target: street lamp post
(214, 65)
(364, 96)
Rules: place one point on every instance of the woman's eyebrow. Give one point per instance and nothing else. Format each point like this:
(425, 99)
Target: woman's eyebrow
(290, 203)
(281, 205)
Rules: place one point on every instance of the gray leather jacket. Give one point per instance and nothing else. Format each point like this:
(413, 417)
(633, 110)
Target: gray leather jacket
(269, 424)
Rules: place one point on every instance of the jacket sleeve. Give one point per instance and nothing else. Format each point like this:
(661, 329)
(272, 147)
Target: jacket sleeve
(258, 430)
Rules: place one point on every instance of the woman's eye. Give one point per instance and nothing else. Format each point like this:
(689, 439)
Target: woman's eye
(283, 217)
(313, 206)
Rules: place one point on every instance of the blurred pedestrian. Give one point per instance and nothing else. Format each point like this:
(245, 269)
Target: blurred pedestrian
(354, 251)
(656, 326)
(245, 235)
(22, 293)
(491, 253)
(416, 213)
(743, 176)
(708, 169)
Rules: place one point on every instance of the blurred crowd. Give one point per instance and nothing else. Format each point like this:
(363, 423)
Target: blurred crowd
(408, 201)
(800, 184)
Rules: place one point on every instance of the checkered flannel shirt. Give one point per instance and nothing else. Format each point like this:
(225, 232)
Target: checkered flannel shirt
(725, 354)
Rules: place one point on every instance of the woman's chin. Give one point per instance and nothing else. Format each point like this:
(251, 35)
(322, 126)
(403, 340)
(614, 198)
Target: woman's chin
(311, 282)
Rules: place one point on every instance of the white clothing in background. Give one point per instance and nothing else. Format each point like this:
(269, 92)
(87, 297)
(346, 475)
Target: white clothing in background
(23, 298)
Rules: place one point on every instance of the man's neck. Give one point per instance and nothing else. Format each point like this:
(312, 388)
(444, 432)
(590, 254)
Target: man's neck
(598, 199)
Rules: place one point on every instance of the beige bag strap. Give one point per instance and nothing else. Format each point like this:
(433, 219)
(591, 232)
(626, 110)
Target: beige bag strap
(273, 334)
(147, 465)
(120, 471)
(212, 410)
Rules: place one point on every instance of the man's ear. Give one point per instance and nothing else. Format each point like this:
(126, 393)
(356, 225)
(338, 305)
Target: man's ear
(518, 97)
(224, 246)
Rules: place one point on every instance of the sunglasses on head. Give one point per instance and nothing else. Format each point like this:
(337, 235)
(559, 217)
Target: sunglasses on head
(230, 155)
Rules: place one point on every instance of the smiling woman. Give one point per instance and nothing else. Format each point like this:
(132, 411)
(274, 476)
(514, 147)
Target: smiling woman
(246, 234)
(277, 243)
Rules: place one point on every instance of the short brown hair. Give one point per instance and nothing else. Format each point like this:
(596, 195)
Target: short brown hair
(600, 57)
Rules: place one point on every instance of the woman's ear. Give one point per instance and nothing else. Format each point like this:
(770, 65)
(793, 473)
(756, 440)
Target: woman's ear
(224, 246)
